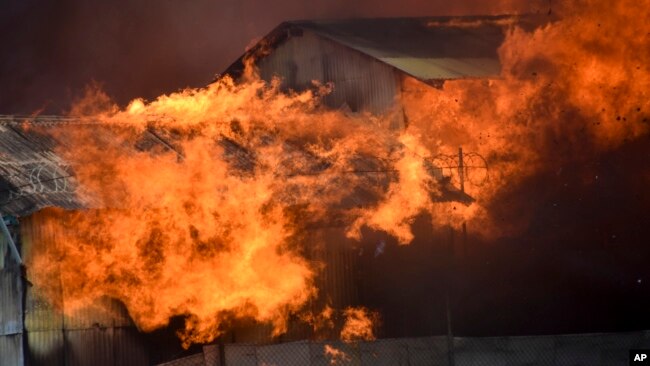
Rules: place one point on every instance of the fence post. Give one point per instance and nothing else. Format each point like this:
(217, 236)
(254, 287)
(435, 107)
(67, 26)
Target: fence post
(450, 333)
(222, 351)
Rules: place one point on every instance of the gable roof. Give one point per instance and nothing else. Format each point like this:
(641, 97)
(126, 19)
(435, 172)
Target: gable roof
(430, 49)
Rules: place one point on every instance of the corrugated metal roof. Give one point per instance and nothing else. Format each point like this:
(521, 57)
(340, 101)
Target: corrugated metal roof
(430, 49)
(361, 83)
(32, 175)
(426, 48)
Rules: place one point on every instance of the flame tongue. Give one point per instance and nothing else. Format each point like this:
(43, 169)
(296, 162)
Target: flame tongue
(205, 224)
(202, 225)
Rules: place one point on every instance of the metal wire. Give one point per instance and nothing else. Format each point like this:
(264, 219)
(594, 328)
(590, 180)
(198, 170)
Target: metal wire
(43, 171)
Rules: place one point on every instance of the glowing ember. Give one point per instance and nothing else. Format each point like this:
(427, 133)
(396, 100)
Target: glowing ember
(321, 322)
(335, 355)
(358, 325)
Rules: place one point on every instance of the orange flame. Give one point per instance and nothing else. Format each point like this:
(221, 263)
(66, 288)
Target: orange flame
(335, 355)
(406, 197)
(200, 229)
(358, 325)
(569, 90)
(204, 224)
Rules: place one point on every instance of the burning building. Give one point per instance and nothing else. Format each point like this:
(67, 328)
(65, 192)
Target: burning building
(366, 61)
(265, 198)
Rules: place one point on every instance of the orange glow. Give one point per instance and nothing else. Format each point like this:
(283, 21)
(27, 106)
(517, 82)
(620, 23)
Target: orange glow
(206, 227)
(321, 322)
(406, 197)
(335, 355)
(203, 225)
(571, 89)
(358, 325)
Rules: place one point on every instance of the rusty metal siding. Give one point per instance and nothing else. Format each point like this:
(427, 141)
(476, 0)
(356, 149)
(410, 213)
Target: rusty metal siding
(360, 82)
(11, 350)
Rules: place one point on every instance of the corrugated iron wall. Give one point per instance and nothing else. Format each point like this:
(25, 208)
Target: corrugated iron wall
(11, 317)
(337, 282)
(11, 347)
(364, 85)
(11, 308)
(11, 321)
(335, 259)
(360, 82)
(101, 334)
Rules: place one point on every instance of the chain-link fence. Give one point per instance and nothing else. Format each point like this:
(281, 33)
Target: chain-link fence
(566, 350)
(194, 360)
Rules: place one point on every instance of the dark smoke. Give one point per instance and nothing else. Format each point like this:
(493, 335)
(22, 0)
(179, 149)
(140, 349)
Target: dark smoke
(52, 49)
